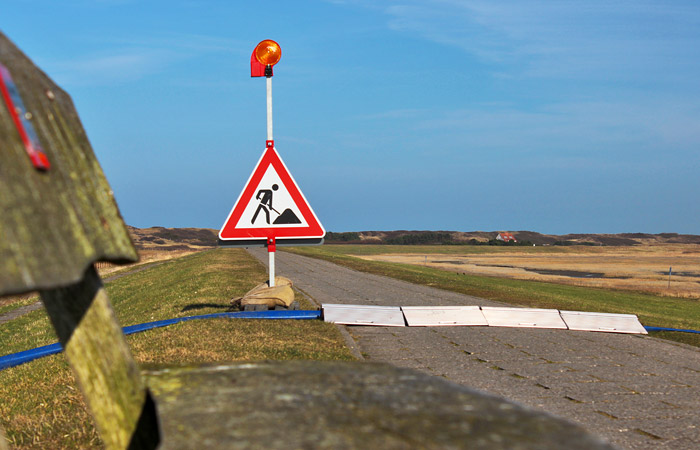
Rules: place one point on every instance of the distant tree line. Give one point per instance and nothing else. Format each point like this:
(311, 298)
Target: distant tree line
(342, 237)
(421, 239)
(426, 238)
(501, 243)
(567, 243)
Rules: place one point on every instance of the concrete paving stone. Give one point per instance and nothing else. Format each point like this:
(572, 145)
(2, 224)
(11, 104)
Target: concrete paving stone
(687, 427)
(377, 342)
(368, 330)
(659, 386)
(686, 377)
(515, 382)
(503, 360)
(379, 339)
(553, 373)
(594, 392)
(610, 372)
(671, 354)
(536, 365)
(486, 378)
(617, 431)
(606, 370)
(413, 364)
(681, 402)
(465, 366)
(644, 366)
(678, 444)
(385, 355)
(397, 354)
(577, 412)
(639, 408)
(374, 332)
(631, 439)
(627, 436)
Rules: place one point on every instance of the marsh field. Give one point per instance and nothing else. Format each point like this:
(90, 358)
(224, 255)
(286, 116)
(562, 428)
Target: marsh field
(633, 268)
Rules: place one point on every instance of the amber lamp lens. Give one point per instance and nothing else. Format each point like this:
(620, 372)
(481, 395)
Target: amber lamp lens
(268, 52)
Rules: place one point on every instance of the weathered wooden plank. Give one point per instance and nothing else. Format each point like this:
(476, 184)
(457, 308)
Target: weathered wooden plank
(53, 224)
(331, 405)
(100, 358)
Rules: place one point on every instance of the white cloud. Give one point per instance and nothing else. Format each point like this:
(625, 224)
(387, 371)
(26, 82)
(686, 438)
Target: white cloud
(133, 58)
(111, 67)
(186, 42)
(544, 38)
(601, 132)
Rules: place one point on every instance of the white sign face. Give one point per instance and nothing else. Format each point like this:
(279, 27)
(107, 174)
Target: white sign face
(272, 206)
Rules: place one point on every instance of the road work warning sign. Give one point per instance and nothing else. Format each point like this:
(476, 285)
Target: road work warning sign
(271, 205)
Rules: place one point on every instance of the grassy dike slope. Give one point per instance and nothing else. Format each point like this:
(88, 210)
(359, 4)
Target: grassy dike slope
(40, 404)
(652, 310)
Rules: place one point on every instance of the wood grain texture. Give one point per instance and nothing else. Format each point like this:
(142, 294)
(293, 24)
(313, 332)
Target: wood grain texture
(54, 224)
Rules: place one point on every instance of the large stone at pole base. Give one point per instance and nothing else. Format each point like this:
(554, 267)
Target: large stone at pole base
(263, 297)
(305, 404)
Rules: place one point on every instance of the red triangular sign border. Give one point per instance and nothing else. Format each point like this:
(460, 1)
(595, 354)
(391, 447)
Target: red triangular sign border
(314, 229)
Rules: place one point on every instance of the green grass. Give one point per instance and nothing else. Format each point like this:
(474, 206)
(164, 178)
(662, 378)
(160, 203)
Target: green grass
(132, 268)
(652, 310)
(17, 303)
(40, 404)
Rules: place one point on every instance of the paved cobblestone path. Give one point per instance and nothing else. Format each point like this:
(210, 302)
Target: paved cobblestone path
(635, 391)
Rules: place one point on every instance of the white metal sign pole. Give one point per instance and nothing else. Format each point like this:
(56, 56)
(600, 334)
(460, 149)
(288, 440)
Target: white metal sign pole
(269, 108)
(271, 241)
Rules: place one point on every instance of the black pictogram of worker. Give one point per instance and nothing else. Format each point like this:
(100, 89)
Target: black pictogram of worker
(265, 197)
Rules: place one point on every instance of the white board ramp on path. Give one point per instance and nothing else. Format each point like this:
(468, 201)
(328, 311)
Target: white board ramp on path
(388, 316)
(523, 317)
(442, 316)
(605, 322)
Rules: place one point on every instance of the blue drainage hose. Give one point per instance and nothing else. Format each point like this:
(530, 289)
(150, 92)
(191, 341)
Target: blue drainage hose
(15, 359)
(671, 329)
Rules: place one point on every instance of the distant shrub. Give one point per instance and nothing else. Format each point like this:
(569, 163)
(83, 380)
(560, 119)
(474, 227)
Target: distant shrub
(188, 235)
(421, 239)
(506, 244)
(564, 243)
(342, 237)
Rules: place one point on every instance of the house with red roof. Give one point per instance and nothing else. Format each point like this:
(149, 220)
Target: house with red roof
(506, 237)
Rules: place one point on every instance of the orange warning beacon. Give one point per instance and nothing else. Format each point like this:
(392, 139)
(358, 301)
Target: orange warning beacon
(266, 54)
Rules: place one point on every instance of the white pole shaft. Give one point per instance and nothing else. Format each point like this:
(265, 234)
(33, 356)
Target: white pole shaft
(272, 268)
(269, 108)
(271, 255)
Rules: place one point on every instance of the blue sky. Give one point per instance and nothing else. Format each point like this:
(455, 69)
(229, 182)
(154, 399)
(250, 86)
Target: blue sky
(558, 117)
